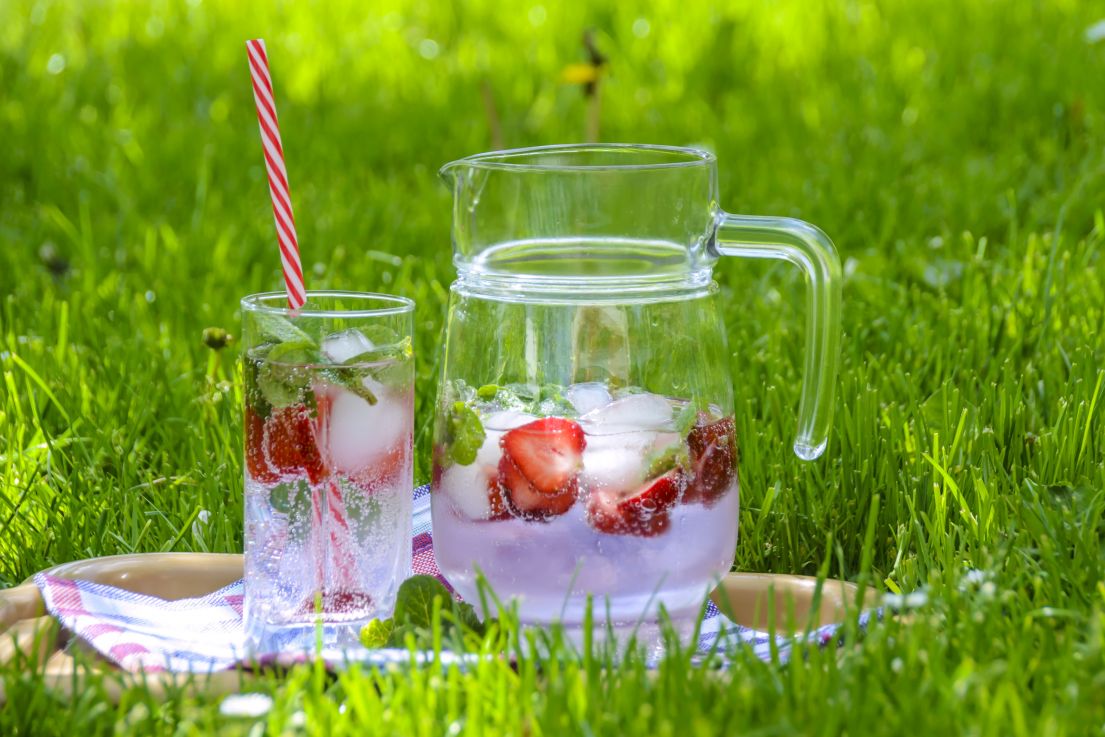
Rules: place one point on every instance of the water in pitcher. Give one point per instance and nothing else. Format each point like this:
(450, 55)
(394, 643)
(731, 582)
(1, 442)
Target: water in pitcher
(564, 497)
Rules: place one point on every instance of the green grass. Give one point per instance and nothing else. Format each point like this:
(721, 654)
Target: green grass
(954, 150)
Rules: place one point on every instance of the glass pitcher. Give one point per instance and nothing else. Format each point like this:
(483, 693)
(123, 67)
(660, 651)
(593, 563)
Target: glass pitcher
(584, 441)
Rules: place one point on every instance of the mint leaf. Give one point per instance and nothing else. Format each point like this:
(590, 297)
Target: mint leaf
(379, 334)
(352, 379)
(281, 497)
(400, 350)
(524, 392)
(363, 513)
(377, 633)
(686, 418)
(423, 637)
(278, 329)
(545, 400)
(255, 398)
(292, 498)
(465, 615)
(281, 384)
(414, 614)
(294, 351)
(398, 373)
(551, 391)
(278, 387)
(389, 367)
(280, 375)
(665, 460)
(466, 434)
(487, 392)
(551, 402)
(414, 605)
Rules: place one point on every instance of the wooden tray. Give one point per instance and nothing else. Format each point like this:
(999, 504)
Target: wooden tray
(754, 600)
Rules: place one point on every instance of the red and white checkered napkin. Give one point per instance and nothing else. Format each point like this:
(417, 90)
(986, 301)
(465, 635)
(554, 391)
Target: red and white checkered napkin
(144, 633)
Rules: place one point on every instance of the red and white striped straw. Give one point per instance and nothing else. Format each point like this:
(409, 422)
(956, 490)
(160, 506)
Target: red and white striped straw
(278, 174)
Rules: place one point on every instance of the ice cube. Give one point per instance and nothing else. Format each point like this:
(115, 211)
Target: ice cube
(615, 461)
(341, 346)
(619, 461)
(489, 453)
(628, 414)
(507, 419)
(361, 433)
(588, 396)
(467, 485)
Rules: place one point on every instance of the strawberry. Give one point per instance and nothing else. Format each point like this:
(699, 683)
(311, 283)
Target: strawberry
(644, 511)
(713, 448)
(385, 469)
(547, 452)
(256, 465)
(337, 601)
(525, 500)
(289, 443)
(539, 466)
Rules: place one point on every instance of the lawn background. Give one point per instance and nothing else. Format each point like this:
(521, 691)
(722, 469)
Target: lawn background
(955, 152)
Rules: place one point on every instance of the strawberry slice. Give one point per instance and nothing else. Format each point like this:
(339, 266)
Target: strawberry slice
(713, 449)
(546, 453)
(289, 442)
(645, 511)
(256, 465)
(526, 500)
(339, 601)
(497, 503)
(438, 458)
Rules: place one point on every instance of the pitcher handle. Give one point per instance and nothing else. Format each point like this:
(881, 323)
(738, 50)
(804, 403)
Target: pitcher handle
(808, 248)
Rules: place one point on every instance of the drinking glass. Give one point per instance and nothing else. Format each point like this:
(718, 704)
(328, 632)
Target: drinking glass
(329, 419)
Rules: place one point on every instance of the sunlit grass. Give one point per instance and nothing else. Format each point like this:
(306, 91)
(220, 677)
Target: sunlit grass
(955, 151)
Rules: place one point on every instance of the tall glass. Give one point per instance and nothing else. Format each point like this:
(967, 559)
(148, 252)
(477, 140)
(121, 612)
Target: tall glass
(329, 421)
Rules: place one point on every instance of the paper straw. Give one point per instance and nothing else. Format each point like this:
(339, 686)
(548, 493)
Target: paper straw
(278, 174)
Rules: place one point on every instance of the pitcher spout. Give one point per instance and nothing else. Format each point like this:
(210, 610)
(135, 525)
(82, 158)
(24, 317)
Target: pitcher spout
(448, 173)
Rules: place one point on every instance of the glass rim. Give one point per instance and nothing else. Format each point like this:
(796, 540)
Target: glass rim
(508, 159)
(259, 302)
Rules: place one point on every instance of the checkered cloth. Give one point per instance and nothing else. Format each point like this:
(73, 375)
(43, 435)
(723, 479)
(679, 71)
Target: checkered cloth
(144, 633)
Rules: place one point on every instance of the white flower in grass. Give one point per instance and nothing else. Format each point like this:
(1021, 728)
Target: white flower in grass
(912, 600)
(249, 705)
(199, 523)
(978, 581)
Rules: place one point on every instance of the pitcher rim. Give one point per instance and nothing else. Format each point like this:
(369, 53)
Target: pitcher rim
(504, 159)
